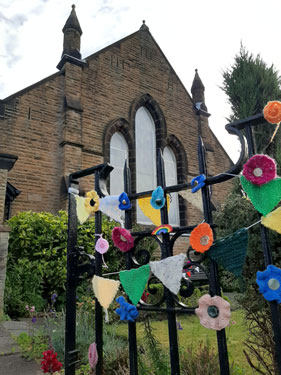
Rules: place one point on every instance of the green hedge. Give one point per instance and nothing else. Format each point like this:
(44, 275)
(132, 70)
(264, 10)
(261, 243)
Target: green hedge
(36, 265)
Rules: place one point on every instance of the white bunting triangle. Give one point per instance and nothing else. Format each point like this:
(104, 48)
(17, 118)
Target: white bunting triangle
(109, 205)
(169, 271)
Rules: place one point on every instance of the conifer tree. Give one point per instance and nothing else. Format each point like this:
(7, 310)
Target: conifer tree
(249, 84)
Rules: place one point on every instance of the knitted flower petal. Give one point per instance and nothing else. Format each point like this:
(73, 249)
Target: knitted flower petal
(122, 239)
(201, 238)
(269, 282)
(158, 199)
(260, 169)
(125, 203)
(93, 355)
(213, 312)
(92, 202)
(102, 246)
(272, 112)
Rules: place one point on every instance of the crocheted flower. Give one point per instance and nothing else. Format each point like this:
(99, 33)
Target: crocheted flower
(92, 202)
(125, 203)
(260, 169)
(126, 311)
(102, 245)
(93, 355)
(198, 182)
(157, 200)
(122, 239)
(272, 112)
(213, 312)
(269, 282)
(201, 238)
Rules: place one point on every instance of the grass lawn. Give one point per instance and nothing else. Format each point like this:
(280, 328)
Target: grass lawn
(193, 333)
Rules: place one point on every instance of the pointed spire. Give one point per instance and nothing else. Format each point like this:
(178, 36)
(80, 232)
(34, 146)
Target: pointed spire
(72, 35)
(197, 91)
(72, 22)
(144, 26)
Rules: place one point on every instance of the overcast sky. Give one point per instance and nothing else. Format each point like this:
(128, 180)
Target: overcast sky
(203, 34)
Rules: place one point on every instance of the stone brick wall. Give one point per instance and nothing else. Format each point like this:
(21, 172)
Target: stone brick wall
(4, 238)
(65, 122)
(3, 184)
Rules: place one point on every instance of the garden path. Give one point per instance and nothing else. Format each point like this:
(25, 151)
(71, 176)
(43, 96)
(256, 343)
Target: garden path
(11, 362)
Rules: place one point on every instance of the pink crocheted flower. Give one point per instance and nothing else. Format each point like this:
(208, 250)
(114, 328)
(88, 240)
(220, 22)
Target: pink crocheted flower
(93, 355)
(213, 312)
(260, 169)
(122, 239)
(102, 246)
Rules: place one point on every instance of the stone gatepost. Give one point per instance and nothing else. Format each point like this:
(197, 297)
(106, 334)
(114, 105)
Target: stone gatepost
(6, 163)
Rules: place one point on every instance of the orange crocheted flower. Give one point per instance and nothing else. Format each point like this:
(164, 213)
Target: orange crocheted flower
(201, 238)
(92, 202)
(272, 112)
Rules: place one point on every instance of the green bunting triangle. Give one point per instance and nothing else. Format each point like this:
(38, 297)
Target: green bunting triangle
(264, 197)
(134, 282)
(230, 252)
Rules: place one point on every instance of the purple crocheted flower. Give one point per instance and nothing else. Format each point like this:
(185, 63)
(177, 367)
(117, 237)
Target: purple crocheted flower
(260, 169)
(269, 282)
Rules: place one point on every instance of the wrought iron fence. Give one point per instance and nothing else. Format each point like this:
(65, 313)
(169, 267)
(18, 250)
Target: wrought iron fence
(80, 264)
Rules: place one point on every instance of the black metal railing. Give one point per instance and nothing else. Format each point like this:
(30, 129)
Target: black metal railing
(167, 302)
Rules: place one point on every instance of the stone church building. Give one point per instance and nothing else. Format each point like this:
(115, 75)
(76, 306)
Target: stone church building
(124, 101)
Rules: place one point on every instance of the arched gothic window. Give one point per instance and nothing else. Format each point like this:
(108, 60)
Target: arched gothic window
(145, 156)
(171, 179)
(118, 155)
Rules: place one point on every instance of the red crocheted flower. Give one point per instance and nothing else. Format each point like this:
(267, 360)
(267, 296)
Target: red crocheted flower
(50, 363)
(122, 239)
(260, 169)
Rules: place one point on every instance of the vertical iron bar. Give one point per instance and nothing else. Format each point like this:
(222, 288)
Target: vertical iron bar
(71, 279)
(98, 307)
(274, 308)
(214, 277)
(166, 251)
(132, 329)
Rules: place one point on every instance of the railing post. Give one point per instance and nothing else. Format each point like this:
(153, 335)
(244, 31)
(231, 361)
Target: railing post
(166, 252)
(71, 283)
(214, 276)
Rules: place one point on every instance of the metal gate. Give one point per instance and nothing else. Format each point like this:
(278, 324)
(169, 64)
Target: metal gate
(79, 263)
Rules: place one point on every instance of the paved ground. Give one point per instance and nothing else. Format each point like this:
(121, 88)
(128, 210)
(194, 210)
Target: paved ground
(11, 363)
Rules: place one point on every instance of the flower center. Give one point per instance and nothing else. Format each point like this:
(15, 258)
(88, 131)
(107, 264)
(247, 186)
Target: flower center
(213, 311)
(123, 238)
(123, 201)
(273, 284)
(257, 172)
(204, 240)
(92, 202)
(158, 201)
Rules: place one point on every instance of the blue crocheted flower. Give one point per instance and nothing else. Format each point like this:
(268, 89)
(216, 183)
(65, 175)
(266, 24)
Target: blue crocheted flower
(157, 200)
(269, 282)
(125, 203)
(199, 182)
(126, 311)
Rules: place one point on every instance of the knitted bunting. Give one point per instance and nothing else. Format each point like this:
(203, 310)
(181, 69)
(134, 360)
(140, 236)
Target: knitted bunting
(109, 205)
(134, 282)
(81, 212)
(169, 271)
(150, 212)
(273, 220)
(264, 197)
(105, 291)
(230, 252)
